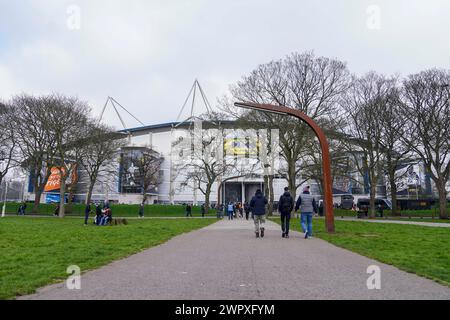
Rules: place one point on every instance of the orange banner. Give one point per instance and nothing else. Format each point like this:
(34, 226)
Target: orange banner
(54, 181)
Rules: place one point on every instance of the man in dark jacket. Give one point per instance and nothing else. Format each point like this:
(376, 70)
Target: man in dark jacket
(307, 205)
(203, 210)
(285, 207)
(141, 210)
(247, 210)
(87, 211)
(188, 210)
(258, 208)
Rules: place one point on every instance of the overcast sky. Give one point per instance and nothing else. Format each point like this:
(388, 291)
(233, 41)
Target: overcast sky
(147, 53)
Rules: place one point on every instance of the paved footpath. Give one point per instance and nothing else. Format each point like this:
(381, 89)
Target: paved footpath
(226, 261)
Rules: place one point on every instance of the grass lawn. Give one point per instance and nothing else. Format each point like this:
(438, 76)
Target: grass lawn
(416, 220)
(420, 250)
(424, 220)
(406, 219)
(37, 251)
(414, 214)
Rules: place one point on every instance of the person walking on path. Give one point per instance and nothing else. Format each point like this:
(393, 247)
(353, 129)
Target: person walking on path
(258, 207)
(285, 207)
(241, 210)
(230, 210)
(219, 211)
(188, 210)
(247, 210)
(307, 205)
(141, 210)
(87, 211)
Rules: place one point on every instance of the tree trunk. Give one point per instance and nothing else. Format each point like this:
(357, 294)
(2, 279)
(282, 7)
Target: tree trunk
(266, 186)
(207, 197)
(373, 190)
(37, 198)
(62, 194)
(393, 193)
(291, 179)
(144, 197)
(442, 199)
(70, 196)
(39, 189)
(90, 190)
(272, 196)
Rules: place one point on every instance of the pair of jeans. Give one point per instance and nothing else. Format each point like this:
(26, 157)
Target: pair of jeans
(105, 220)
(260, 221)
(230, 215)
(285, 222)
(306, 222)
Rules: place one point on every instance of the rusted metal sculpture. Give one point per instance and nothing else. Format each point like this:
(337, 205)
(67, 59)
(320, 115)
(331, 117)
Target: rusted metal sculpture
(327, 180)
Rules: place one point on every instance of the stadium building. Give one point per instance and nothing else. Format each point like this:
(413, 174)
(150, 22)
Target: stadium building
(247, 152)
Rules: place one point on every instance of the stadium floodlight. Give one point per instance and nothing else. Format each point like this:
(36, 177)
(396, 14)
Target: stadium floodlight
(327, 180)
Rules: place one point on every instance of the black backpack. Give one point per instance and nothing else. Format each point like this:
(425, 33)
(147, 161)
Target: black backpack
(286, 204)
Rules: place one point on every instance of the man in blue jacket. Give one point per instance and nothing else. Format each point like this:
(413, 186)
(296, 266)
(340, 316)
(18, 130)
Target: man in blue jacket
(258, 208)
(307, 205)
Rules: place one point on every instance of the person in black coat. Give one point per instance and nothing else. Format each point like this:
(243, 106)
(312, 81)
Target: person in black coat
(188, 210)
(285, 207)
(258, 207)
(87, 211)
(203, 210)
(141, 210)
(247, 210)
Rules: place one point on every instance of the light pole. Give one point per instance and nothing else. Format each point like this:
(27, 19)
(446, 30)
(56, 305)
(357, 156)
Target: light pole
(326, 166)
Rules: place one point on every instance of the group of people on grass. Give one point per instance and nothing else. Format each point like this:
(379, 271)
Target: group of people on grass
(189, 210)
(103, 214)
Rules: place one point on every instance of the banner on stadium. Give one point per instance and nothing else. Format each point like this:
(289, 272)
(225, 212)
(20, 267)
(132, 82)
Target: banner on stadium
(242, 146)
(54, 180)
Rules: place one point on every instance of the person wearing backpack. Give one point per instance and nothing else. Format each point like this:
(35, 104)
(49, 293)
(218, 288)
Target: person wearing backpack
(285, 207)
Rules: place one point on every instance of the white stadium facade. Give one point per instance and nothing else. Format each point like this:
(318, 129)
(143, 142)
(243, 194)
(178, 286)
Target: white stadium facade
(122, 186)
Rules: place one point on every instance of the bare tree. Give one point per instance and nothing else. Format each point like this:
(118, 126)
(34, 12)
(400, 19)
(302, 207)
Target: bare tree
(304, 82)
(364, 103)
(140, 169)
(99, 154)
(205, 163)
(33, 125)
(393, 128)
(69, 129)
(149, 166)
(312, 163)
(8, 144)
(426, 98)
